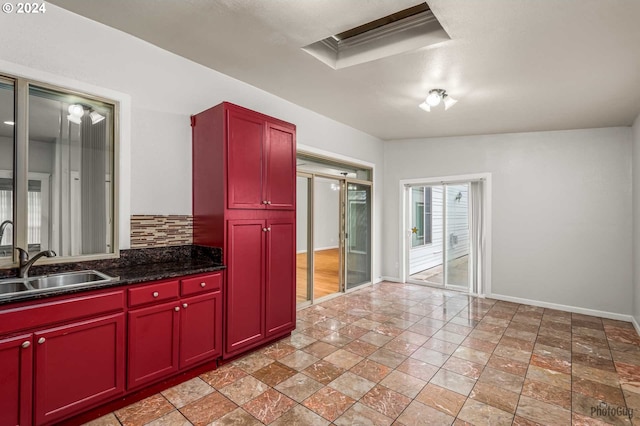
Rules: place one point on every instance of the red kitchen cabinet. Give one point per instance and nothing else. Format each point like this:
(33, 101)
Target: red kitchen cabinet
(244, 320)
(200, 329)
(280, 167)
(244, 198)
(77, 366)
(261, 284)
(16, 374)
(261, 167)
(280, 304)
(153, 343)
(246, 150)
(167, 336)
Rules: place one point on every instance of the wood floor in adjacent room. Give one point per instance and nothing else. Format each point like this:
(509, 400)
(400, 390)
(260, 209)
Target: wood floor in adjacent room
(326, 274)
(409, 355)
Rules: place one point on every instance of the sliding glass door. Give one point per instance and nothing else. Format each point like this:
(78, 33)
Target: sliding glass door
(304, 261)
(334, 208)
(438, 242)
(456, 237)
(358, 234)
(327, 236)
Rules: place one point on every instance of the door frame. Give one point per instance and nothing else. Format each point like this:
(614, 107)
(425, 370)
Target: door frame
(342, 269)
(405, 220)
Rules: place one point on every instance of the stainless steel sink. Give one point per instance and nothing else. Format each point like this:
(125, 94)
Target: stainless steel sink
(8, 287)
(70, 278)
(46, 282)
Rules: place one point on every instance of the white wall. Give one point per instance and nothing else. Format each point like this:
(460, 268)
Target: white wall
(561, 210)
(636, 220)
(326, 215)
(164, 89)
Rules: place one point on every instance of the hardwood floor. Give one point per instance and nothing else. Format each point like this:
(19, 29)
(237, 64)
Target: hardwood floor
(326, 274)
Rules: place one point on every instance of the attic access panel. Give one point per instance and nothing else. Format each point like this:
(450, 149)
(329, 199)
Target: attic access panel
(400, 32)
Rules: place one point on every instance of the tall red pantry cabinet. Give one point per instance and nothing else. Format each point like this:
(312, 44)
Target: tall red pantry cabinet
(244, 199)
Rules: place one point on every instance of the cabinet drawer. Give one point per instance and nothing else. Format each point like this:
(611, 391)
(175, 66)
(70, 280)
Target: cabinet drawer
(201, 284)
(151, 293)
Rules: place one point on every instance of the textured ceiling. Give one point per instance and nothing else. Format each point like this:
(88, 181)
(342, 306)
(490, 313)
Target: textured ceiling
(514, 66)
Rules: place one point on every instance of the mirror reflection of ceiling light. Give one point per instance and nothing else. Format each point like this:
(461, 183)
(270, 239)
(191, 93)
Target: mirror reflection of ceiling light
(10, 123)
(96, 117)
(75, 113)
(434, 98)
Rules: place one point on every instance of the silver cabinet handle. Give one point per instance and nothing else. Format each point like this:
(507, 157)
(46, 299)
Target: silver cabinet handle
(264, 229)
(177, 308)
(269, 229)
(156, 294)
(26, 344)
(268, 202)
(265, 202)
(184, 305)
(41, 340)
(203, 285)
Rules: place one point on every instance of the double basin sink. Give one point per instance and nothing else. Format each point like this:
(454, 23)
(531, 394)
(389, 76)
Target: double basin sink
(46, 282)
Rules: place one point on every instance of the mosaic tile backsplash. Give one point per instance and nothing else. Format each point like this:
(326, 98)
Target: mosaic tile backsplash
(161, 231)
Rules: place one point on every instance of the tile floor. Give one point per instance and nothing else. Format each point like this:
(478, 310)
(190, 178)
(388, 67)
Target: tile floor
(412, 355)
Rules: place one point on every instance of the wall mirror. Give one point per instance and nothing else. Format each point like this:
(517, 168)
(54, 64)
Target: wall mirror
(60, 194)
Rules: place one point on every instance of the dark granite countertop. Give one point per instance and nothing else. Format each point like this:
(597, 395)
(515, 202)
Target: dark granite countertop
(133, 266)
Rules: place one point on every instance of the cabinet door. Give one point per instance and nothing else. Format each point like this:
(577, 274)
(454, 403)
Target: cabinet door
(77, 366)
(245, 172)
(153, 343)
(244, 292)
(281, 276)
(16, 358)
(200, 328)
(280, 158)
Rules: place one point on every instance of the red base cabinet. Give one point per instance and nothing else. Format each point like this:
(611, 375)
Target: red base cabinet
(200, 329)
(153, 343)
(50, 372)
(78, 366)
(244, 187)
(65, 355)
(165, 337)
(16, 355)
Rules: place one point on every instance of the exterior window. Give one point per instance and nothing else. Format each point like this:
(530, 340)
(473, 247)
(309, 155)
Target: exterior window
(421, 216)
(64, 200)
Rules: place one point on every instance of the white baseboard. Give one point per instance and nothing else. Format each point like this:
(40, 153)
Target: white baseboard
(392, 279)
(566, 308)
(325, 248)
(635, 324)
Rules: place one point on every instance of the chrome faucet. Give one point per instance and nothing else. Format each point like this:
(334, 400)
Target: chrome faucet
(3, 226)
(26, 263)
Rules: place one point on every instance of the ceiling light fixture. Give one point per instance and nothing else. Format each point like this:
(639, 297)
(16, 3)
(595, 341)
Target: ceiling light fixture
(434, 98)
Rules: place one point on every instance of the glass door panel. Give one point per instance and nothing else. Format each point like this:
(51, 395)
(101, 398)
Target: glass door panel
(303, 240)
(327, 262)
(358, 235)
(456, 236)
(425, 249)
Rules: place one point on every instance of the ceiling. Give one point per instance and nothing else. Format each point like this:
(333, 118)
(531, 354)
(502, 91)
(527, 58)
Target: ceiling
(514, 66)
